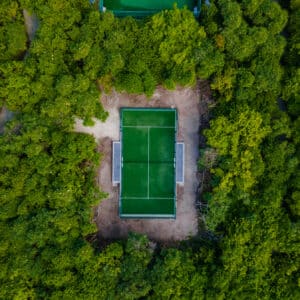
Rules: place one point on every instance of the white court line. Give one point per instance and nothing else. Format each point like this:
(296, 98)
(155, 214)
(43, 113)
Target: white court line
(146, 216)
(141, 126)
(148, 158)
(147, 197)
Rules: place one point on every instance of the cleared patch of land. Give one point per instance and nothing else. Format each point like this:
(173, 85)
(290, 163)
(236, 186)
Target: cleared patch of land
(110, 226)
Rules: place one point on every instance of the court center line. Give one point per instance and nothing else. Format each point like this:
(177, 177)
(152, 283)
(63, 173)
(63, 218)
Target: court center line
(148, 185)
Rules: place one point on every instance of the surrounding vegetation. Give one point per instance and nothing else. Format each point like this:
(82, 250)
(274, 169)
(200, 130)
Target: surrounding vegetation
(250, 248)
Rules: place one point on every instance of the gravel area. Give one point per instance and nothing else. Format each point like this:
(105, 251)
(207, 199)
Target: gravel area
(110, 226)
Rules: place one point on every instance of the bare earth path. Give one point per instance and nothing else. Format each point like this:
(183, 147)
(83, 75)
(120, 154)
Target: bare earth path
(186, 100)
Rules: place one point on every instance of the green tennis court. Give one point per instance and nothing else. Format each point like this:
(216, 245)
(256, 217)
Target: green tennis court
(148, 187)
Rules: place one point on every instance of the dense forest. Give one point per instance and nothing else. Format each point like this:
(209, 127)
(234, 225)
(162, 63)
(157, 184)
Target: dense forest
(249, 246)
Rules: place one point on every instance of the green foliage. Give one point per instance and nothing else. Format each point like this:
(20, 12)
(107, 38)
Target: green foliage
(13, 40)
(133, 277)
(49, 81)
(291, 95)
(47, 172)
(253, 203)
(13, 36)
(237, 141)
(169, 48)
(75, 47)
(174, 276)
(47, 184)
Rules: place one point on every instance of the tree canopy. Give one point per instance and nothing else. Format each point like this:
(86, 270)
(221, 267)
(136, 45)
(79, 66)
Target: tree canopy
(248, 246)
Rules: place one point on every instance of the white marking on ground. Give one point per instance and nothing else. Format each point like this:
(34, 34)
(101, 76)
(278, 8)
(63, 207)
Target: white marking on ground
(145, 126)
(147, 198)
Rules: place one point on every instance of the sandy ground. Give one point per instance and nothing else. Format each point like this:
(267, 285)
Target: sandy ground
(110, 226)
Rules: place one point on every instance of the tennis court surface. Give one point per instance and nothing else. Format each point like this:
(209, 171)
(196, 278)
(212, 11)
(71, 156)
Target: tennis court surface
(148, 158)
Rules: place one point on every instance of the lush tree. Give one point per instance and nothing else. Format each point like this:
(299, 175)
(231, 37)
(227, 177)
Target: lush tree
(250, 246)
(47, 184)
(253, 201)
(13, 36)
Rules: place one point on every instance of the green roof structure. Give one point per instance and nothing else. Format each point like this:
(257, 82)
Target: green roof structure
(143, 8)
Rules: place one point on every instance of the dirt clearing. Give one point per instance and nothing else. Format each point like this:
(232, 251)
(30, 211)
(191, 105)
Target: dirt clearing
(186, 100)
